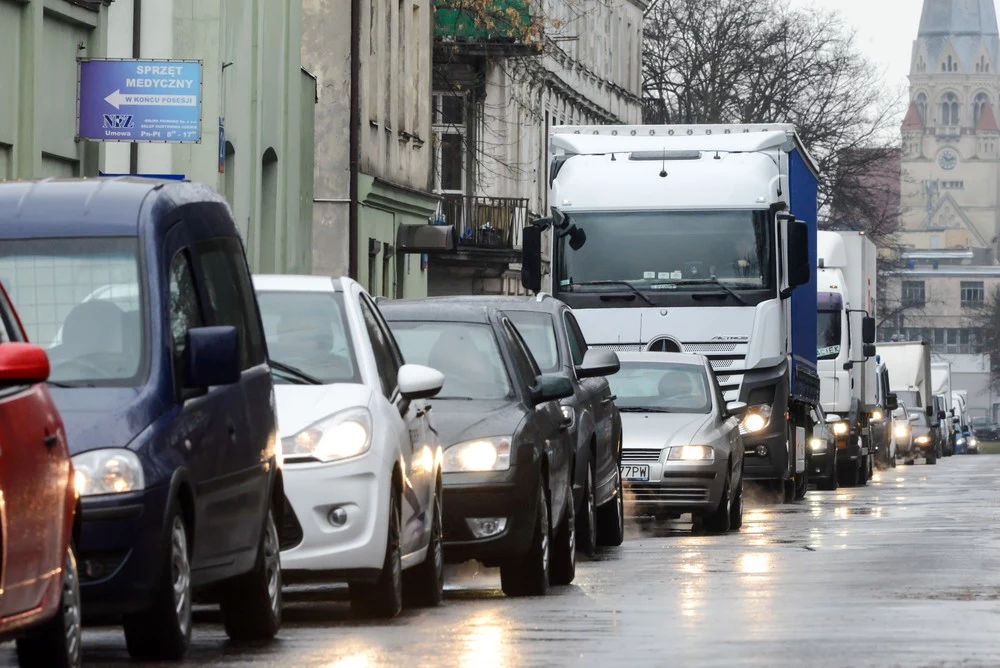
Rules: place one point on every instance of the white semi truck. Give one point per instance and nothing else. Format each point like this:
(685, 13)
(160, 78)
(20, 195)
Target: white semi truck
(698, 239)
(845, 345)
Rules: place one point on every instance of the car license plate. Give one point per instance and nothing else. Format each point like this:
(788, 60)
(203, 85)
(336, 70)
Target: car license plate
(636, 473)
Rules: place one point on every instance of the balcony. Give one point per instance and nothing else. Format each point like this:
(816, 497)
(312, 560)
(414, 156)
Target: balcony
(488, 223)
(481, 26)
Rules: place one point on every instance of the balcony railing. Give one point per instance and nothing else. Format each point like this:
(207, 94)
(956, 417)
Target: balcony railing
(485, 222)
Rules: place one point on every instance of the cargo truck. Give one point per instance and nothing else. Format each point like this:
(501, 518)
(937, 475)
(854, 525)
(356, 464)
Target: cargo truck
(845, 345)
(941, 384)
(695, 239)
(909, 365)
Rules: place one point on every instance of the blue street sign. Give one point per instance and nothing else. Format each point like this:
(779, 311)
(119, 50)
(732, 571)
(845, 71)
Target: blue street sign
(161, 177)
(140, 100)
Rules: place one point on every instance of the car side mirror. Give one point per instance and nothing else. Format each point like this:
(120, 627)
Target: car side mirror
(212, 357)
(942, 415)
(531, 256)
(23, 364)
(930, 411)
(597, 363)
(956, 420)
(868, 333)
(891, 401)
(736, 408)
(419, 382)
(800, 269)
(551, 387)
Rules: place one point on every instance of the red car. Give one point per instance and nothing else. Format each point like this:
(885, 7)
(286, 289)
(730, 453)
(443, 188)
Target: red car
(39, 589)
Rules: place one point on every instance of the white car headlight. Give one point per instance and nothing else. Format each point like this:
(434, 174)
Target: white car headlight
(480, 455)
(817, 444)
(902, 431)
(756, 419)
(923, 439)
(691, 453)
(109, 471)
(340, 436)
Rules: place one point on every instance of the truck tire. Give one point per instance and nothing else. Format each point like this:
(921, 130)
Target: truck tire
(931, 459)
(864, 471)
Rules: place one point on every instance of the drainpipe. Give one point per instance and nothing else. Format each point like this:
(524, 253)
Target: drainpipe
(133, 148)
(355, 139)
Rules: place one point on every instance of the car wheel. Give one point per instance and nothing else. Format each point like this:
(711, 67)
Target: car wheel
(251, 603)
(56, 644)
(611, 518)
(564, 543)
(529, 576)
(586, 529)
(829, 483)
(718, 520)
(931, 458)
(736, 508)
(892, 461)
(423, 585)
(164, 630)
(384, 598)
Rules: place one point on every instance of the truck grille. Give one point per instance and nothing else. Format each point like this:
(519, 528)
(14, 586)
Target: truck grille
(640, 455)
(644, 493)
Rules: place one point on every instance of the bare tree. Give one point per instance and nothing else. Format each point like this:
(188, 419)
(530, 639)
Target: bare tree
(987, 321)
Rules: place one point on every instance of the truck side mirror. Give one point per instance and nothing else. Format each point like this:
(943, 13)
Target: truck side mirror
(531, 258)
(891, 401)
(868, 331)
(869, 350)
(799, 266)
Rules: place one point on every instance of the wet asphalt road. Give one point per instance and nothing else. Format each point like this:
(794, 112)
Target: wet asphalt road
(904, 572)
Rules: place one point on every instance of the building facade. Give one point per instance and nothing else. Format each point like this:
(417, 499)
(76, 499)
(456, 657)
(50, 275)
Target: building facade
(386, 76)
(950, 185)
(496, 94)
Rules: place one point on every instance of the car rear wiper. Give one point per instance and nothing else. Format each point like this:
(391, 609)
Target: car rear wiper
(715, 281)
(295, 374)
(628, 285)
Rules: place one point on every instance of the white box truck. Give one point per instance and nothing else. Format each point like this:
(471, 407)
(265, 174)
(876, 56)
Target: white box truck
(845, 345)
(941, 384)
(695, 239)
(909, 366)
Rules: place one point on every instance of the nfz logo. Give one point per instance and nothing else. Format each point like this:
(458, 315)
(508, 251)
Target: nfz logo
(118, 121)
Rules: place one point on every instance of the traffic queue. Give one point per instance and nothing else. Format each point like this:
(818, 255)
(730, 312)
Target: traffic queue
(179, 430)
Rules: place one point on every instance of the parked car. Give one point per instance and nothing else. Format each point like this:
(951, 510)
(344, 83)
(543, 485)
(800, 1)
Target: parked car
(984, 429)
(39, 583)
(558, 346)
(362, 458)
(821, 455)
(508, 458)
(926, 439)
(902, 432)
(167, 399)
(682, 450)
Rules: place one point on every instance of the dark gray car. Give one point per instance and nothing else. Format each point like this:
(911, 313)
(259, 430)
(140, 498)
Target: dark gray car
(507, 473)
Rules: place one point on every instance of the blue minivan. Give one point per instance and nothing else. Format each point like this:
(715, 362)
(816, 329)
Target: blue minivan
(140, 292)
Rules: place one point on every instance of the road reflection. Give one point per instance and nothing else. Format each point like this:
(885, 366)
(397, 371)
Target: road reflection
(484, 642)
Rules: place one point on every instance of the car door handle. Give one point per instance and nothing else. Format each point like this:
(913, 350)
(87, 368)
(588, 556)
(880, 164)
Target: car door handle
(50, 440)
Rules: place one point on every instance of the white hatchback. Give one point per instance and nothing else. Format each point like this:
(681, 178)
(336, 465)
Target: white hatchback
(362, 460)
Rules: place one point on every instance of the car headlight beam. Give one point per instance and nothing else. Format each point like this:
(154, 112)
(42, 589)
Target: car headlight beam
(107, 471)
(478, 456)
(691, 453)
(337, 437)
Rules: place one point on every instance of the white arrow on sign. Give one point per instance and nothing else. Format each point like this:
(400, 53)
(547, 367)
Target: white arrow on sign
(119, 100)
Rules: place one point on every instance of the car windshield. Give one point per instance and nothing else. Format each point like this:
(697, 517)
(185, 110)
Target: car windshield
(307, 332)
(539, 332)
(666, 250)
(827, 335)
(662, 387)
(466, 353)
(980, 422)
(80, 299)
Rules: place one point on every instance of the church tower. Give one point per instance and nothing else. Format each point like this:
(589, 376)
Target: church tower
(950, 135)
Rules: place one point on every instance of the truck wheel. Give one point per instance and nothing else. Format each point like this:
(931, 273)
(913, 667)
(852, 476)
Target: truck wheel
(931, 458)
(864, 470)
(564, 543)
(251, 603)
(529, 576)
(586, 529)
(611, 518)
(56, 643)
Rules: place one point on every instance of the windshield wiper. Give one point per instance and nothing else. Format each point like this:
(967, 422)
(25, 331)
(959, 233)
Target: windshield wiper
(715, 281)
(643, 409)
(446, 398)
(295, 374)
(628, 285)
(62, 385)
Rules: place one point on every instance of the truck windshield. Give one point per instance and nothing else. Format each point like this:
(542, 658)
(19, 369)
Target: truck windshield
(80, 299)
(827, 335)
(909, 397)
(666, 250)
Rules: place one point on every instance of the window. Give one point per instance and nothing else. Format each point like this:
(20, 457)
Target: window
(982, 99)
(8, 329)
(268, 213)
(913, 293)
(973, 294)
(527, 366)
(953, 185)
(664, 388)
(949, 109)
(577, 342)
(231, 296)
(185, 311)
(538, 331)
(449, 119)
(922, 107)
(387, 358)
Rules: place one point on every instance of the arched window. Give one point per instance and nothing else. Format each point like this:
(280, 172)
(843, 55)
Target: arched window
(268, 212)
(229, 180)
(982, 99)
(922, 107)
(949, 109)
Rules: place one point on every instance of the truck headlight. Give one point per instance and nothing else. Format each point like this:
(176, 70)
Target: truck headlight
(691, 453)
(480, 455)
(109, 471)
(339, 436)
(876, 415)
(756, 419)
(817, 444)
(840, 428)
